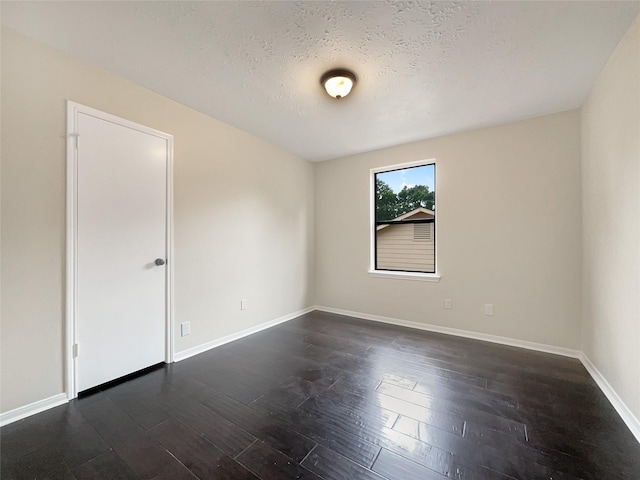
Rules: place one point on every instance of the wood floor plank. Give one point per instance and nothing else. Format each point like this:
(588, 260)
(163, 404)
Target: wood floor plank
(394, 466)
(57, 432)
(106, 465)
(384, 409)
(438, 459)
(289, 442)
(279, 431)
(456, 392)
(419, 430)
(141, 408)
(333, 437)
(141, 452)
(336, 409)
(333, 466)
(185, 386)
(498, 417)
(224, 434)
(278, 399)
(304, 388)
(41, 463)
(196, 453)
(269, 464)
(421, 365)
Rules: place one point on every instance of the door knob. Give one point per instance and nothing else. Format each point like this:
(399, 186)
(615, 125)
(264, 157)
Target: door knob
(159, 261)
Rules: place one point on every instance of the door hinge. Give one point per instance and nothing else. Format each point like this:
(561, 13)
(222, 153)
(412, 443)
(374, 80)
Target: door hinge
(75, 350)
(75, 136)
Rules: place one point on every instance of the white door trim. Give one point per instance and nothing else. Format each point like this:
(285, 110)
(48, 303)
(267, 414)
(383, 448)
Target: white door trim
(71, 327)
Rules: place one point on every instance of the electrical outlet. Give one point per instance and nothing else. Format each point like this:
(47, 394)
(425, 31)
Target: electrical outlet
(447, 303)
(243, 304)
(488, 309)
(185, 329)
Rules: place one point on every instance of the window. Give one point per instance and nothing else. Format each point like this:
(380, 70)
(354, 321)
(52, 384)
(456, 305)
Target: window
(404, 219)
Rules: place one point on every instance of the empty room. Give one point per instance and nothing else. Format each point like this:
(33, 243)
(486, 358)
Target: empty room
(368, 240)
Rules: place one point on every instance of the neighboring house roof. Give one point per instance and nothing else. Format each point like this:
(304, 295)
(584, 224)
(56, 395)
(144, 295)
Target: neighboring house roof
(424, 213)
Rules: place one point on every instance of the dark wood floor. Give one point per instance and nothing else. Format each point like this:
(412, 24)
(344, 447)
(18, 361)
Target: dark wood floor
(329, 397)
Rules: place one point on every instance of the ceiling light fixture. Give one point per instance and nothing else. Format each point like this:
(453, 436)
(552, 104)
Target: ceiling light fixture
(338, 83)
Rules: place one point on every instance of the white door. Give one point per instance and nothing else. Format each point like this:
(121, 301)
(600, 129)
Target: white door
(121, 229)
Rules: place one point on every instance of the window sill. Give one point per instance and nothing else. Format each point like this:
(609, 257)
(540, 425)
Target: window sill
(422, 277)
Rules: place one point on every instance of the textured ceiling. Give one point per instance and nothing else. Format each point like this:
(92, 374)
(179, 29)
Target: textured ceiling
(425, 68)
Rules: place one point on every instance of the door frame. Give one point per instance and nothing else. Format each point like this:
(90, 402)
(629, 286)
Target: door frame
(71, 320)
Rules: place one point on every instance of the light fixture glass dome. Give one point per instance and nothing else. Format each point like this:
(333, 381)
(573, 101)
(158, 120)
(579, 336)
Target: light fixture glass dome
(338, 83)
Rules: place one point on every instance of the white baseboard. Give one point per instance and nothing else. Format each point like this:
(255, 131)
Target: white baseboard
(539, 347)
(190, 352)
(47, 403)
(33, 408)
(625, 413)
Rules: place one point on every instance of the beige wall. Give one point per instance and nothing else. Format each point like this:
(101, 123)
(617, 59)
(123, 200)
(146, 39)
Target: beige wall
(508, 233)
(243, 215)
(611, 226)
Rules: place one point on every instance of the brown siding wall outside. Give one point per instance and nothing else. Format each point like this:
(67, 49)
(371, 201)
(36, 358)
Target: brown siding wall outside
(398, 250)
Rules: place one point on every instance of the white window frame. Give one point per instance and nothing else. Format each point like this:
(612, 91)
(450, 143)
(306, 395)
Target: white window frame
(420, 276)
